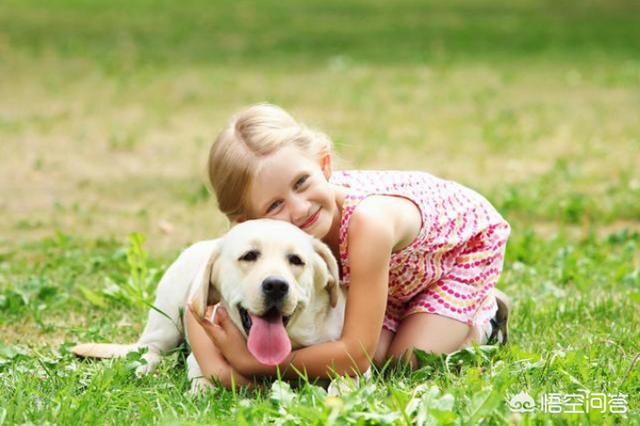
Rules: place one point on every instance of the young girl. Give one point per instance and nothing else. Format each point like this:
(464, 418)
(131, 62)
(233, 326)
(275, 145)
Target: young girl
(420, 255)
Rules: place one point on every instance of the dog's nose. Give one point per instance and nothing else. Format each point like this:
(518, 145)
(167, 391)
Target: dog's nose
(274, 289)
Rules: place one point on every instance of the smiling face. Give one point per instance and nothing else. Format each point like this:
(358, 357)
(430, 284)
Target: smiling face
(290, 186)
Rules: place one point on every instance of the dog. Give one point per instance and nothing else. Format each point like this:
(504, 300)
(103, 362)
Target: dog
(280, 286)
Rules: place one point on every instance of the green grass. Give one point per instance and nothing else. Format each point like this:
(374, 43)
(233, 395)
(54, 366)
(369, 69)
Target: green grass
(122, 33)
(575, 328)
(106, 114)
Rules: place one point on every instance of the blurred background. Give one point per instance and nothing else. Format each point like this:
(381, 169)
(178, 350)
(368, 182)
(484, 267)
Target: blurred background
(107, 108)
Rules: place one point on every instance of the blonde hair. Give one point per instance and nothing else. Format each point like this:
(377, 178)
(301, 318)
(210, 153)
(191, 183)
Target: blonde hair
(254, 133)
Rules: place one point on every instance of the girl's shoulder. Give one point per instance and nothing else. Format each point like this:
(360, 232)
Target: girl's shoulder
(380, 202)
(433, 195)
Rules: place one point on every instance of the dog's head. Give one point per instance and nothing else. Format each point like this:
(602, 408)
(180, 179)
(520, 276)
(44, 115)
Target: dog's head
(266, 273)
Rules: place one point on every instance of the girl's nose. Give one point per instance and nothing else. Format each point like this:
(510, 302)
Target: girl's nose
(299, 210)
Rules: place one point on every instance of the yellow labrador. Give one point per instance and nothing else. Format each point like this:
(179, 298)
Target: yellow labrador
(279, 285)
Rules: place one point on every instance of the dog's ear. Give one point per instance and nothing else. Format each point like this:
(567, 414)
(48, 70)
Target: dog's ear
(327, 270)
(204, 289)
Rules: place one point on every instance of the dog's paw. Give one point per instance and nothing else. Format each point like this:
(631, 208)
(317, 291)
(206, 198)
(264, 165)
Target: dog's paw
(152, 360)
(199, 386)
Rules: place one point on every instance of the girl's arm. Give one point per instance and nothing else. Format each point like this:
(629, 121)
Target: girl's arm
(371, 238)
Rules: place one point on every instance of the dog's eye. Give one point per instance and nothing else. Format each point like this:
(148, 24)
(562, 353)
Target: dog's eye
(294, 259)
(250, 256)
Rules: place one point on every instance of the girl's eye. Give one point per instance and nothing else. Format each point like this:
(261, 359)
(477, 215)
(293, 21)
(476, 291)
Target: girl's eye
(301, 182)
(274, 206)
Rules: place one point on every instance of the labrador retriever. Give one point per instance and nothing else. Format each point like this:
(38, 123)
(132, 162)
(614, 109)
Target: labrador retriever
(279, 285)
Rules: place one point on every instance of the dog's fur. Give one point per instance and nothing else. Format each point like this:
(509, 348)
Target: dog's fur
(225, 271)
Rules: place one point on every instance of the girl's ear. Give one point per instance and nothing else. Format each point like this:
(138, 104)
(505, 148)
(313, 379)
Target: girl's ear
(325, 165)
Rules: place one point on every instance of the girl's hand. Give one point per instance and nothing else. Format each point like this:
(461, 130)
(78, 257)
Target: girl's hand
(230, 341)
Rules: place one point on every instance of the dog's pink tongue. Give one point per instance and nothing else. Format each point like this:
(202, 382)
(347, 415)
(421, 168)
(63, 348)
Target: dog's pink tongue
(268, 340)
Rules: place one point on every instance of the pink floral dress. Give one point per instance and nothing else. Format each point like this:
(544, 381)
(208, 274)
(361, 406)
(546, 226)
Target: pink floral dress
(457, 257)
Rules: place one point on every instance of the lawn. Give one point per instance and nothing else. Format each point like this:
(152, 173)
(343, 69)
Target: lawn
(107, 110)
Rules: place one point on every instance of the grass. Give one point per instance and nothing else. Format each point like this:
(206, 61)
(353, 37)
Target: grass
(574, 329)
(106, 114)
(122, 33)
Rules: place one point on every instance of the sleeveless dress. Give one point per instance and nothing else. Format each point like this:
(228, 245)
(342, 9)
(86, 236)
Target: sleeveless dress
(453, 263)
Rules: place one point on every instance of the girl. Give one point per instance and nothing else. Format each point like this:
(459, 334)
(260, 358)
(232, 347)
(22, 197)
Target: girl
(420, 255)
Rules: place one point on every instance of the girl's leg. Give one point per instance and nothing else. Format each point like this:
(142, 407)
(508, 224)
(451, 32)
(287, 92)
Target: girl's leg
(479, 265)
(386, 337)
(430, 333)
(210, 359)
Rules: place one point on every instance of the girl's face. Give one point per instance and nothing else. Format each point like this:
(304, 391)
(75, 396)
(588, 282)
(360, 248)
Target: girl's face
(289, 185)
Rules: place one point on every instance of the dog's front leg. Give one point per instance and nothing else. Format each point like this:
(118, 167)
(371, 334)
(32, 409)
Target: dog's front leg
(199, 383)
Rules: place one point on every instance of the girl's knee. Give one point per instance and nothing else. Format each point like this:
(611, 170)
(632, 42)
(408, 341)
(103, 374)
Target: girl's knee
(384, 341)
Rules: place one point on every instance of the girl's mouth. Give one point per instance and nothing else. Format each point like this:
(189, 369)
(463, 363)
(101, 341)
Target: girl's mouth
(313, 219)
